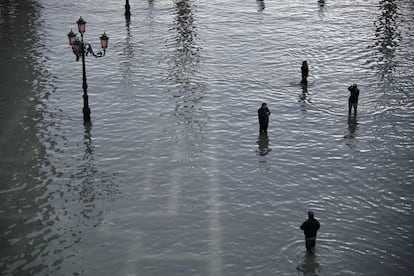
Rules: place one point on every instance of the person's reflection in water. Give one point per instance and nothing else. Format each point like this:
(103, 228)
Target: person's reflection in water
(263, 142)
(127, 19)
(127, 10)
(352, 126)
(260, 5)
(321, 4)
(127, 24)
(310, 266)
(304, 97)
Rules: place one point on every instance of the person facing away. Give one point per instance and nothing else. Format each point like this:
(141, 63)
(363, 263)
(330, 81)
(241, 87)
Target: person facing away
(263, 113)
(305, 72)
(310, 228)
(353, 98)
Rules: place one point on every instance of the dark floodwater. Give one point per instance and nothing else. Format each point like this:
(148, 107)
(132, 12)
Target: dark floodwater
(171, 177)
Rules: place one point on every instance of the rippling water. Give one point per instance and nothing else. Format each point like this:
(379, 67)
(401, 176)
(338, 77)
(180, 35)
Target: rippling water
(171, 177)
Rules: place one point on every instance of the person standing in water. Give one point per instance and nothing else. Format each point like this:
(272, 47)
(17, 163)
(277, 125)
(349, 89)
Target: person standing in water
(310, 228)
(353, 98)
(263, 113)
(305, 72)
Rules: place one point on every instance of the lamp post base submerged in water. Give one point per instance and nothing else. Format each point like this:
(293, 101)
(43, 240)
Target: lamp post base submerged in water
(86, 110)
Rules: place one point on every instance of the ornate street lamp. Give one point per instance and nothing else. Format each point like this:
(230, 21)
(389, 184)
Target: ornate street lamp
(82, 49)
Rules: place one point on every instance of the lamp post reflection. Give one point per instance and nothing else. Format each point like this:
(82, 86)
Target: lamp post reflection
(82, 49)
(184, 64)
(387, 37)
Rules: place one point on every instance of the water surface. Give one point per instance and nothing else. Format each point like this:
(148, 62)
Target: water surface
(171, 177)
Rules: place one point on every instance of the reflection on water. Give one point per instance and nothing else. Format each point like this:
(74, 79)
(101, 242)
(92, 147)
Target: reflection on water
(95, 186)
(387, 36)
(260, 5)
(352, 126)
(262, 151)
(304, 96)
(216, 199)
(128, 53)
(25, 211)
(322, 8)
(88, 169)
(310, 266)
(321, 3)
(186, 53)
(185, 59)
(127, 21)
(263, 142)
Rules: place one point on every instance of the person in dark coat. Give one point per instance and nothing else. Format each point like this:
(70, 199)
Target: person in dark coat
(310, 228)
(263, 113)
(305, 72)
(353, 98)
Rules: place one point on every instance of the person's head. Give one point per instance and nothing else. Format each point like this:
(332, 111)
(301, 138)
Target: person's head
(264, 105)
(310, 214)
(354, 85)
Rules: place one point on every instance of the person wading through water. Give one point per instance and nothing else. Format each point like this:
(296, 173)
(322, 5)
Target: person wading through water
(310, 228)
(263, 113)
(353, 98)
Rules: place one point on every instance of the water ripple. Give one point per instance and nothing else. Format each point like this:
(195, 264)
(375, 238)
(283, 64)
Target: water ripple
(172, 176)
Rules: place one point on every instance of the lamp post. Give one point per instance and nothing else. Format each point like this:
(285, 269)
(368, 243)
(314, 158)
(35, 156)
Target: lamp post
(82, 49)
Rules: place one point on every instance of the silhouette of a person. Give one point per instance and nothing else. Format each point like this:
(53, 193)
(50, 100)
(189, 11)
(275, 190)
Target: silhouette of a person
(305, 72)
(263, 113)
(353, 98)
(310, 228)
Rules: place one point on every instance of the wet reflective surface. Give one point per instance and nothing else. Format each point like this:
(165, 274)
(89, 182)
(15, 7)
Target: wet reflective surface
(171, 177)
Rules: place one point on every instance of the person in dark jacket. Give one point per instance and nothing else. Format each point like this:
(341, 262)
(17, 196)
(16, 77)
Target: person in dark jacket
(353, 98)
(305, 72)
(310, 228)
(263, 113)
